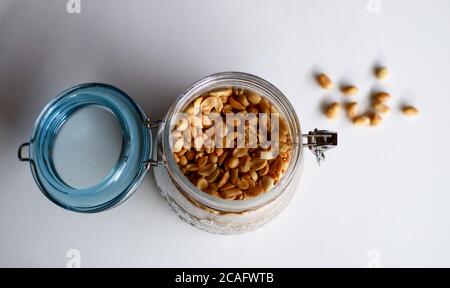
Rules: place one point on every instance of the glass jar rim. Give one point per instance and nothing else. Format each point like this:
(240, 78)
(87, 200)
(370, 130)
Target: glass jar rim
(109, 192)
(252, 83)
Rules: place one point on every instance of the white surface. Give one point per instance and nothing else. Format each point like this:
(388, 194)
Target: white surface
(386, 189)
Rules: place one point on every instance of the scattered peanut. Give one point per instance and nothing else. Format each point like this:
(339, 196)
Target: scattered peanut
(361, 120)
(375, 119)
(349, 90)
(381, 97)
(352, 109)
(410, 110)
(332, 110)
(372, 117)
(381, 108)
(324, 81)
(381, 73)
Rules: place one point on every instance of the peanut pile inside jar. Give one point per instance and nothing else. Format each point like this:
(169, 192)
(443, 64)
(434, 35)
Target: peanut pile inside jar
(231, 143)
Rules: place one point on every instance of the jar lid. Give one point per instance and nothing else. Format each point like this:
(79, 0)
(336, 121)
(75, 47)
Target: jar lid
(71, 166)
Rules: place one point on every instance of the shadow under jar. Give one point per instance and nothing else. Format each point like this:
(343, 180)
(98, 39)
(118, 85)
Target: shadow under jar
(139, 150)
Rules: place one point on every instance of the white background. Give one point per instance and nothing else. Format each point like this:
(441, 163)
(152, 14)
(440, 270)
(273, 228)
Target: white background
(385, 188)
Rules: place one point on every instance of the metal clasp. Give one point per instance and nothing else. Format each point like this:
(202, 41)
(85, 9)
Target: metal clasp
(19, 152)
(319, 141)
(156, 159)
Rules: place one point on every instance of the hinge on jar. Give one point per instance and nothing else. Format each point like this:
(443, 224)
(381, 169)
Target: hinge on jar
(319, 141)
(156, 157)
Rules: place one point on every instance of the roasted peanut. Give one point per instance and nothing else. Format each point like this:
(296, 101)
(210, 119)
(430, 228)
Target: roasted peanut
(381, 108)
(236, 105)
(349, 90)
(245, 164)
(284, 130)
(224, 179)
(258, 164)
(253, 109)
(213, 158)
(332, 110)
(375, 119)
(264, 106)
(176, 158)
(239, 152)
(263, 171)
(381, 97)
(243, 100)
(361, 120)
(234, 174)
(207, 169)
(182, 125)
(178, 145)
(277, 165)
(410, 110)
(191, 167)
(222, 158)
(231, 173)
(201, 162)
(253, 175)
(242, 184)
(218, 151)
(381, 73)
(190, 155)
(324, 81)
(230, 193)
(253, 192)
(233, 162)
(267, 183)
(202, 184)
(253, 98)
(227, 186)
(213, 176)
(222, 92)
(351, 109)
(183, 161)
(284, 147)
(212, 191)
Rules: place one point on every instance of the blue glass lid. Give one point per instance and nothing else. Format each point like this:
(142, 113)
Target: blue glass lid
(89, 148)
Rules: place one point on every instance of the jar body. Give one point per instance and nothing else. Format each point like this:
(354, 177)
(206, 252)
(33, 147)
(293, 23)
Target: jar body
(227, 216)
(222, 222)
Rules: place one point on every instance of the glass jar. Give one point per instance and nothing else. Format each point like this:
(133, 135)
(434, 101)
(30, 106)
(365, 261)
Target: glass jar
(140, 151)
